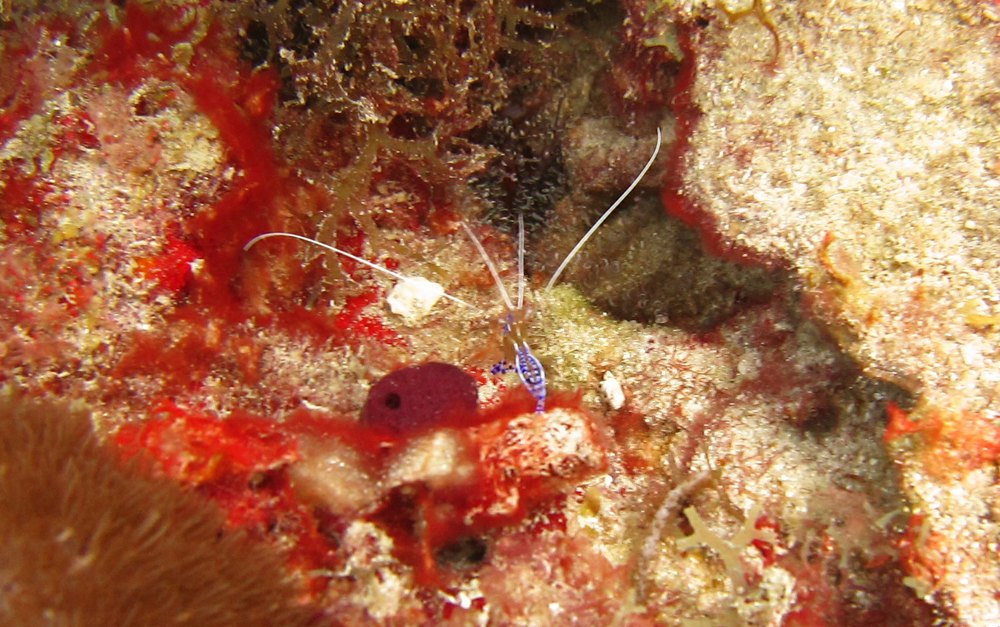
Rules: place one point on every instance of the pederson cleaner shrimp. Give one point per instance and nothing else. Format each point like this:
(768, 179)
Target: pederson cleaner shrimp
(519, 356)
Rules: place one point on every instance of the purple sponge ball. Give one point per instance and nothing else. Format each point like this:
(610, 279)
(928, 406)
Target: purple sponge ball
(421, 397)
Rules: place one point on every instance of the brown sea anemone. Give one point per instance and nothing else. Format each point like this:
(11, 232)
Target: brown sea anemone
(85, 540)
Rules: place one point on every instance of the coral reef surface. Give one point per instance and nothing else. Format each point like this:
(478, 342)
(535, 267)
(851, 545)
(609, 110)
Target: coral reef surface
(771, 375)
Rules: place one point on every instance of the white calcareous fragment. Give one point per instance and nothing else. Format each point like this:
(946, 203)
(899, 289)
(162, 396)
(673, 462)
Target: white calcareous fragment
(414, 298)
(612, 389)
(440, 459)
(334, 475)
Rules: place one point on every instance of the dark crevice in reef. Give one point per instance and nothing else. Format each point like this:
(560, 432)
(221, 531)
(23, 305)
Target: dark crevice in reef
(527, 178)
(645, 266)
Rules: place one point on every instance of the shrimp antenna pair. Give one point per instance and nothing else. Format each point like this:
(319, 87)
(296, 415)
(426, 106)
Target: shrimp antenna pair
(528, 368)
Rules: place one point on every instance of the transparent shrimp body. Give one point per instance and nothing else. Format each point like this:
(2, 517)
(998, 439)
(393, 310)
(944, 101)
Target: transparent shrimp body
(529, 369)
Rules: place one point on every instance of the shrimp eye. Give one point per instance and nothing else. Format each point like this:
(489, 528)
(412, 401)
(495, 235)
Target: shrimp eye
(419, 398)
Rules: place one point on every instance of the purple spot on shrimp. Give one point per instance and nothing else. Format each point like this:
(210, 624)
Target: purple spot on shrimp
(501, 367)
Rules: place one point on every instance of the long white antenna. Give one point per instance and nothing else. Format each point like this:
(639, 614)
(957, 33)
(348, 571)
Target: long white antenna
(334, 249)
(597, 225)
(520, 261)
(492, 268)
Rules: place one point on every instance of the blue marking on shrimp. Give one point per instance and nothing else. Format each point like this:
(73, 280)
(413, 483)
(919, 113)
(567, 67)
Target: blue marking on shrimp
(532, 375)
(501, 367)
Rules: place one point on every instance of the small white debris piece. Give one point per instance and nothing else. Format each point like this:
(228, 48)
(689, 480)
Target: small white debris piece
(614, 396)
(197, 266)
(413, 298)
